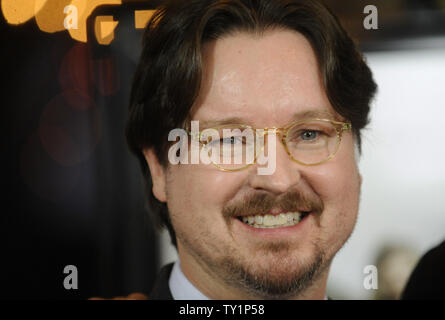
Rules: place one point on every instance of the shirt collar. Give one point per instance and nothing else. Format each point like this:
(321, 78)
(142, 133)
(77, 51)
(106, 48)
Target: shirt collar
(181, 288)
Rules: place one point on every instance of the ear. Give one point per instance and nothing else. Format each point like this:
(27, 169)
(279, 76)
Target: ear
(158, 174)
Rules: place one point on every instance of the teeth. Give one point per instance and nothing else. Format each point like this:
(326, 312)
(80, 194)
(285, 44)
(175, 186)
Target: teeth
(290, 217)
(270, 221)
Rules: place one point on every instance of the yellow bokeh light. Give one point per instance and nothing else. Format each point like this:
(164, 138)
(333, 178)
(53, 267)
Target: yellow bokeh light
(85, 8)
(50, 18)
(104, 29)
(20, 11)
(141, 18)
(71, 15)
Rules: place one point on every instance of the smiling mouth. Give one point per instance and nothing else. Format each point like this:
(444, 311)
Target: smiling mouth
(286, 219)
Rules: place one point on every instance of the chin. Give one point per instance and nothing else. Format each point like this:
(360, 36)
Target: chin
(275, 275)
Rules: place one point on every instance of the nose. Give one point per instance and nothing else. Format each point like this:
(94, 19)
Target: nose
(286, 176)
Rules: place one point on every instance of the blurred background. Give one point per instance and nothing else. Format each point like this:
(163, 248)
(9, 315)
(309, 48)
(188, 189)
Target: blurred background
(74, 193)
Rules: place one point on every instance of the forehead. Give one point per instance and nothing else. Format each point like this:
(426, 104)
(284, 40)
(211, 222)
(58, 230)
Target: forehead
(263, 80)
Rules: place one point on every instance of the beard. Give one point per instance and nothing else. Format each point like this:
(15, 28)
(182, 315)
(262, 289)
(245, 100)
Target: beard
(274, 269)
(280, 276)
(285, 275)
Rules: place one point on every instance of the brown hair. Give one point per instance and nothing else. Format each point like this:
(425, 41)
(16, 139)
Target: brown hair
(168, 77)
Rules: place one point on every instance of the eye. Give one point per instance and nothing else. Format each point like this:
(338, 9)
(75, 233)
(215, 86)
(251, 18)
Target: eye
(231, 140)
(309, 135)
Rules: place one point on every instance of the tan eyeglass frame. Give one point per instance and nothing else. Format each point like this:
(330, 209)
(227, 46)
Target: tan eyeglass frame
(339, 126)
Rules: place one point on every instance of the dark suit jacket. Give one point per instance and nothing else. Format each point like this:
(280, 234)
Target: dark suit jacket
(428, 278)
(161, 289)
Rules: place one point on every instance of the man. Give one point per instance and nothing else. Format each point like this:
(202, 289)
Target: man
(289, 67)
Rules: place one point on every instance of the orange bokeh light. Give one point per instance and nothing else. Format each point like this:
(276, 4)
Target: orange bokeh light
(141, 18)
(104, 29)
(85, 8)
(50, 15)
(20, 11)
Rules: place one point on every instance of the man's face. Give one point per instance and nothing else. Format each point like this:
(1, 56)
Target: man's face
(265, 81)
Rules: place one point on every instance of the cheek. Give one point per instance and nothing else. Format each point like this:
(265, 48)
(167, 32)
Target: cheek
(333, 182)
(339, 177)
(198, 192)
(337, 182)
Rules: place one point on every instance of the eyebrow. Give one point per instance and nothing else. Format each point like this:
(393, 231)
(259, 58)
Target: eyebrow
(309, 114)
(204, 124)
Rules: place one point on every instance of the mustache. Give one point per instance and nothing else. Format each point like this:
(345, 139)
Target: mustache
(264, 203)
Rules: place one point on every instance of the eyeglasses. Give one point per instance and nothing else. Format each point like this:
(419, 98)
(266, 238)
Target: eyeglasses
(307, 142)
